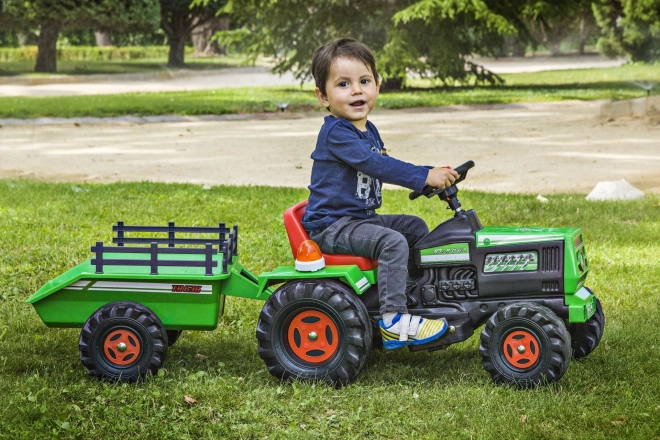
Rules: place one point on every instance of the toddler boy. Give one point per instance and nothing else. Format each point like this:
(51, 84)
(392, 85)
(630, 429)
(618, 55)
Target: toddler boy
(350, 163)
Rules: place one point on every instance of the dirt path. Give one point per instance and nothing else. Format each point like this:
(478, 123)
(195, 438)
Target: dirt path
(538, 149)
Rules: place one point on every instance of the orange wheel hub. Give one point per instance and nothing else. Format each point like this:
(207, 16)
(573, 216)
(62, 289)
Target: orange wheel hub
(521, 349)
(313, 336)
(121, 347)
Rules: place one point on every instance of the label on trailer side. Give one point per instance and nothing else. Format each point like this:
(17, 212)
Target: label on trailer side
(118, 286)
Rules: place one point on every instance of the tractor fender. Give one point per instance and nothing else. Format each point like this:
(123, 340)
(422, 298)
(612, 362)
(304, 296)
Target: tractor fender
(350, 275)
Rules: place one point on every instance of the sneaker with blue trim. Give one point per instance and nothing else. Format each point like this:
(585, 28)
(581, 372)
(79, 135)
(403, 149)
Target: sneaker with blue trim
(409, 329)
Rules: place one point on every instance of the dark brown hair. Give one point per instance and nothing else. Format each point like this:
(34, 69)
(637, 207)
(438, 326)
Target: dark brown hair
(344, 47)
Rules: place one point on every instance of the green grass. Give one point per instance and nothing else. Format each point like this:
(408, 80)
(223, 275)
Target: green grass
(149, 65)
(47, 228)
(588, 84)
(206, 102)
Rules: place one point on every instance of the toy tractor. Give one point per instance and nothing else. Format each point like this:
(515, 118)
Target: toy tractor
(526, 284)
(319, 321)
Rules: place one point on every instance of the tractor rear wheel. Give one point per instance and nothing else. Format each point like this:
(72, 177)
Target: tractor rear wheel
(123, 341)
(525, 345)
(315, 330)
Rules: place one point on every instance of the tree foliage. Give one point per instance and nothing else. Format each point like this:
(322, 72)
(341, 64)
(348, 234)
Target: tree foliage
(549, 23)
(436, 38)
(83, 14)
(429, 38)
(53, 16)
(629, 27)
(5, 19)
(290, 30)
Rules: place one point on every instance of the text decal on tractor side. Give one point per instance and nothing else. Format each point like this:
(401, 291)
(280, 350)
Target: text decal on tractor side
(450, 253)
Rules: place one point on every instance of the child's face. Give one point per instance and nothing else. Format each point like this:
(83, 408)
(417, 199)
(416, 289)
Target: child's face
(351, 91)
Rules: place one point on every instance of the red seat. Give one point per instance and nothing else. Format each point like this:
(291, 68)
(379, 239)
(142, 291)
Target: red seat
(297, 234)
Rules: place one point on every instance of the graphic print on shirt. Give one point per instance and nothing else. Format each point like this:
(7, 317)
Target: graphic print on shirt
(366, 184)
(363, 186)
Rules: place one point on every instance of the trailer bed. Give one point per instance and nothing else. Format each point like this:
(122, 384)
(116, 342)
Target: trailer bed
(184, 286)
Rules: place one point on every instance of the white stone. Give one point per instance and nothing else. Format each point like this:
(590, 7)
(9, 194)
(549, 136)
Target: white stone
(615, 190)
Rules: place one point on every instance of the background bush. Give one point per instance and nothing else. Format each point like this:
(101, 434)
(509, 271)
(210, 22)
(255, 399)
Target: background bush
(90, 53)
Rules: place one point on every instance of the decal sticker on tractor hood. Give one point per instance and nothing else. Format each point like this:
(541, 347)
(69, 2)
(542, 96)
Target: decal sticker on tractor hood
(502, 236)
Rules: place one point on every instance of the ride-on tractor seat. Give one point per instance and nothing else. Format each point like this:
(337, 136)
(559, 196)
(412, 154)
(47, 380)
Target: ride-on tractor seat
(297, 234)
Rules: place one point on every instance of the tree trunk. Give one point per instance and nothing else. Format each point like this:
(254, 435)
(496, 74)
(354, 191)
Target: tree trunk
(177, 51)
(223, 25)
(583, 31)
(22, 38)
(551, 40)
(392, 84)
(26, 38)
(518, 48)
(103, 38)
(555, 48)
(178, 31)
(47, 47)
(202, 34)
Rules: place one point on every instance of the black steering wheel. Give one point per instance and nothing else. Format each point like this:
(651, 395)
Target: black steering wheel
(430, 191)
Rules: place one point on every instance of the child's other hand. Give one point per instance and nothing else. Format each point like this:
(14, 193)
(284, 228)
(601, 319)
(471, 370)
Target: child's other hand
(441, 177)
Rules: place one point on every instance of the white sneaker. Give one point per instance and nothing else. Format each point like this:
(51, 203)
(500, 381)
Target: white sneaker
(408, 329)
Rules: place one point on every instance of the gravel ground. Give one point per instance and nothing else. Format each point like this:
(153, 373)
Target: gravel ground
(528, 148)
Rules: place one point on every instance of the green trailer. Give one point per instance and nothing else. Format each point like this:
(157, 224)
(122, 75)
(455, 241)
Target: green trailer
(133, 300)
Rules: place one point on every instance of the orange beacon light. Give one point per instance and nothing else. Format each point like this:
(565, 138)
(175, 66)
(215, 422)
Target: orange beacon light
(309, 257)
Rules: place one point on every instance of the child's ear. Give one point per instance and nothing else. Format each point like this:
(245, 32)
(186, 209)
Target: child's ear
(321, 97)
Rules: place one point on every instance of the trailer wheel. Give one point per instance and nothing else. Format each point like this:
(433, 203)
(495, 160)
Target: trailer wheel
(585, 337)
(525, 345)
(123, 341)
(315, 330)
(173, 336)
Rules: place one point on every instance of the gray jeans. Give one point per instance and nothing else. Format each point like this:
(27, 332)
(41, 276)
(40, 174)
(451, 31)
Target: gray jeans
(386, 238)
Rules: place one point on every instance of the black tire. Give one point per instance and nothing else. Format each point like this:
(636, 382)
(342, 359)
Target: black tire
(173, 336)
(376, 337)
(585, 337)
(123, 341)
(543, 341)
(340, 349)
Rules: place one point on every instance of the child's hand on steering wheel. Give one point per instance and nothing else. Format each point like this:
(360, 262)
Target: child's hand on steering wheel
(441, 177)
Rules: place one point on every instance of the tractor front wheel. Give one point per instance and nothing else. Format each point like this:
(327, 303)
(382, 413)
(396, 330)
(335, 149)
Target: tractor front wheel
(586, 336)
(123, 341)
(525, 345)
(315, 330)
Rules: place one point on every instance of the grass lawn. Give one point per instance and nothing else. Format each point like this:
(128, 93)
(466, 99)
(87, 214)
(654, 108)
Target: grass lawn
(47, 228)
(143, 65)
(585, 84)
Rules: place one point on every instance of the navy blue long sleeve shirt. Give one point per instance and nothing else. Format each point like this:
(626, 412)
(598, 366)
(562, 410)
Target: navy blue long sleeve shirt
(349, 166)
